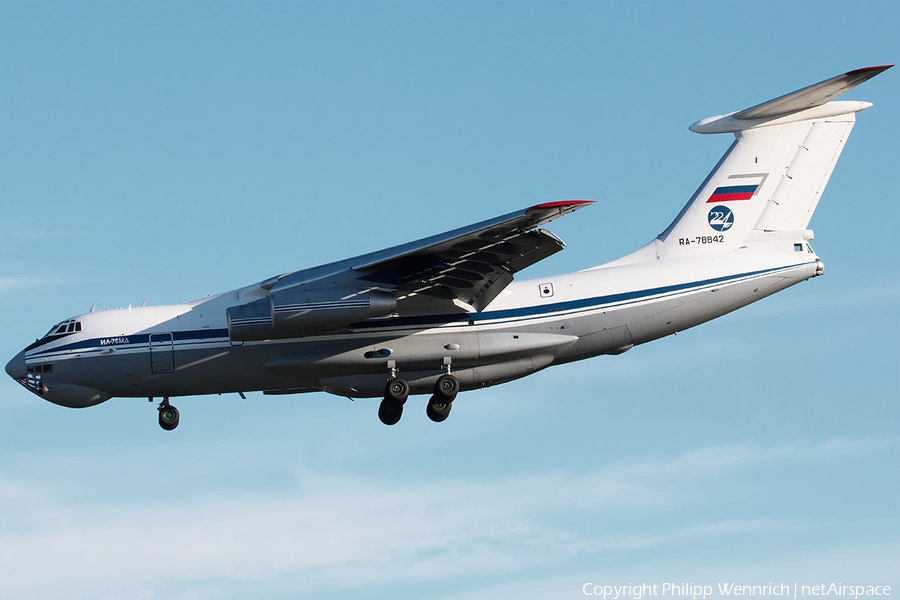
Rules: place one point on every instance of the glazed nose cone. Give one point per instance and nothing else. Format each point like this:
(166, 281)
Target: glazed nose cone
(16, 367)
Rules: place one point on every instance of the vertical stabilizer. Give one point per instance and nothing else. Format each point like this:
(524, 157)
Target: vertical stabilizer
(772, 176)
(727, 206)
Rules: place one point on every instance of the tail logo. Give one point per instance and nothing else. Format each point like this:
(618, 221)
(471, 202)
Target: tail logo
(720, 218)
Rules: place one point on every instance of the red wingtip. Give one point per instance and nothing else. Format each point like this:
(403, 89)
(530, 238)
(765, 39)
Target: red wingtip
(561, 204)
(858, 71)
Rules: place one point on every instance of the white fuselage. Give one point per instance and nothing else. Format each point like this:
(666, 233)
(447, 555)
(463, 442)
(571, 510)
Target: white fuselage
(185, 349)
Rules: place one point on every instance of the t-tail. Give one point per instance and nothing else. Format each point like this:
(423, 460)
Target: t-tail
(768, 183)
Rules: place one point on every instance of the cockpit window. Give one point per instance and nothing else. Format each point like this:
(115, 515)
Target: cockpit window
(68, 326)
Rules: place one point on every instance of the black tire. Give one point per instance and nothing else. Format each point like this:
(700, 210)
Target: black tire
(438, 409)
(446, 388)
(390, 412)
(396, 391)
(168, 417)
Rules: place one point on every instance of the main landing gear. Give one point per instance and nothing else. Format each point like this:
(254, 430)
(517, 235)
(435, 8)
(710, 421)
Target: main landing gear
(397, 390)
(395, 394)
(168, 415)
(440, 403)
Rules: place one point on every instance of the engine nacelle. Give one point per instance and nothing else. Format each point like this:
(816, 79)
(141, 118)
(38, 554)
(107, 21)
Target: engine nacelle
(295, 313)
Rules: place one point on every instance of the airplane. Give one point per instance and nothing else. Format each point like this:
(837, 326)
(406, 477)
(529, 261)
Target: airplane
(443, 315)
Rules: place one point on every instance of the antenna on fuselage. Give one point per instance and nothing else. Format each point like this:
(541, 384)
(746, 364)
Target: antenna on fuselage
(93, 307)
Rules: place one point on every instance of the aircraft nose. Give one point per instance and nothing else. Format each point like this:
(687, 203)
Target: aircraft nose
(16, 367)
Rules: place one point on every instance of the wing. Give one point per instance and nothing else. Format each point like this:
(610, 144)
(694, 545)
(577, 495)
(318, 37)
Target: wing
(471, 264)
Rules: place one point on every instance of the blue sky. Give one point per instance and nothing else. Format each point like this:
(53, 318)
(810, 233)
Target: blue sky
(166, 151)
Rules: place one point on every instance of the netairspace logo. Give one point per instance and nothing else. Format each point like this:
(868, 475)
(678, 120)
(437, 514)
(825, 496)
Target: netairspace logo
(636, 592)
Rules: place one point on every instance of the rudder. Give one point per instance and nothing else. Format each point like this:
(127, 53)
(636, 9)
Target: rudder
(795, 199)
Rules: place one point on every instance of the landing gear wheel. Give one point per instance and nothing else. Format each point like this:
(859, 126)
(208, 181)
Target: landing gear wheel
(446, 387)
(168, 417)
(390, 412)
(438, 410)
(396, 391)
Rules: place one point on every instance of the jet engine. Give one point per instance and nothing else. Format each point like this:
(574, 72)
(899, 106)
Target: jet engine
(296, 313)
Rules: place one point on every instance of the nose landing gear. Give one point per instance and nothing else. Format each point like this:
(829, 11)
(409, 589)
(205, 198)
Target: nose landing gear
(168, 415)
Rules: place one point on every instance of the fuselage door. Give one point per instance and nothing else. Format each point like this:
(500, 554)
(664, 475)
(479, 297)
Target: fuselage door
(162, 353)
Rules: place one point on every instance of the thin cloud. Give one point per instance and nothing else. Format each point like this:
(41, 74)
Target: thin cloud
(868, 563)
(332, 529)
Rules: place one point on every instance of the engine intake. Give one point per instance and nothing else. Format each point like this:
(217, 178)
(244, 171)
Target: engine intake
(295, 313)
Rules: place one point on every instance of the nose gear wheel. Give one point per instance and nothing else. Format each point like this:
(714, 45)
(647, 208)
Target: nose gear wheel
(168, 415)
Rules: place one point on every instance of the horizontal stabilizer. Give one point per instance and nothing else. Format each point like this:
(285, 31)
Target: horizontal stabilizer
(812, 102)
(811, 96)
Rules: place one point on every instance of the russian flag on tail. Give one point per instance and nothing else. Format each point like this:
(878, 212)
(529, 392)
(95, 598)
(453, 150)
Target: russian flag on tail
(730, 193)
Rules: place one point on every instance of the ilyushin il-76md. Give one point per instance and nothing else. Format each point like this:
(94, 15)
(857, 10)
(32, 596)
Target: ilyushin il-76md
(442, 315)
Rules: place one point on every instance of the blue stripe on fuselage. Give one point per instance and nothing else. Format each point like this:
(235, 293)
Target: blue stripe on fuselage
(139, 339)
(511, 313)
(547, 309)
